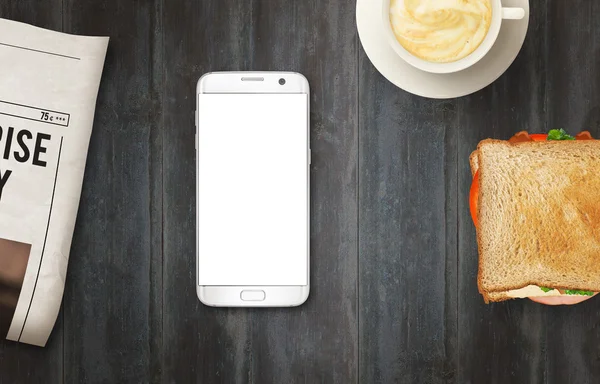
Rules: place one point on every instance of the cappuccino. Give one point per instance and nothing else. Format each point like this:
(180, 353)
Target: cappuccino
(440, 31)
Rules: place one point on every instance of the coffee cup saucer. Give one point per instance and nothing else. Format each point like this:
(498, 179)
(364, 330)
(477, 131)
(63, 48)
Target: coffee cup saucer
(432, 85)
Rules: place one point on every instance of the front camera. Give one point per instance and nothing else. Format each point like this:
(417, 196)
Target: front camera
(282, 81)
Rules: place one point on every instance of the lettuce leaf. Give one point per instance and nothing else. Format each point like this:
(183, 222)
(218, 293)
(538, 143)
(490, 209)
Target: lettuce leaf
(579, 292)
(559, 134)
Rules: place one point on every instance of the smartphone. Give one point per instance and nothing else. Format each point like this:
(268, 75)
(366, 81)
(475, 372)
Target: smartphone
(253, 189)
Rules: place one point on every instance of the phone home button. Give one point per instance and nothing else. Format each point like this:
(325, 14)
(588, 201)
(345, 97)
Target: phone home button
(253, 295)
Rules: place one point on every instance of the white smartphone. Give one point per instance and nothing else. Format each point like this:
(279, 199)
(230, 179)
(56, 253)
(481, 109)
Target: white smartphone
(253, 189)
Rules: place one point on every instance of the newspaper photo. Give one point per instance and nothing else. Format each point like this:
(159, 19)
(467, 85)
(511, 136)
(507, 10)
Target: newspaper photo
(48, 87)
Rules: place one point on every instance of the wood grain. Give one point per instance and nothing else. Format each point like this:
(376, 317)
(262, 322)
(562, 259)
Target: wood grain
(200, 344)
(501, 342)
(407, 268)
(573, 334)
(112, 302)
(21, 363)
(394, 257)
(318, 341)
(552, 84)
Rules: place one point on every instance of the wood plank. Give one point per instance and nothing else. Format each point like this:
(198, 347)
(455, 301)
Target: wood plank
(20, 363)
(47, 14)
(573, 78)
(315, 343)
(509, 341)
(407, 209)
(112, 302)
(499, 342)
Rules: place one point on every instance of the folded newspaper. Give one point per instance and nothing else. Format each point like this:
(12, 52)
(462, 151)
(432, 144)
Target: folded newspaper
(48, 87)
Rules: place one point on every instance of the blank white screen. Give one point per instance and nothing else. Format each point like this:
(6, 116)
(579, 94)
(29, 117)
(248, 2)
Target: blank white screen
(253, 189)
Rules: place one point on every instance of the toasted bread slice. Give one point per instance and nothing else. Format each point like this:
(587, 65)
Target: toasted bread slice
(529, 291)
(474, 162)
(539, 216)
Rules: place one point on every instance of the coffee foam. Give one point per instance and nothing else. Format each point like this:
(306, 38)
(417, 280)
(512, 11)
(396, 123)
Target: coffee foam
(440, 30)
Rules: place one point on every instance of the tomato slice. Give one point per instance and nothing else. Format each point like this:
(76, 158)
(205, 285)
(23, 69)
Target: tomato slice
(474, 197)
(539, 136)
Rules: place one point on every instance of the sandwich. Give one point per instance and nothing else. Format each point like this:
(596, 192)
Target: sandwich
(535, 202)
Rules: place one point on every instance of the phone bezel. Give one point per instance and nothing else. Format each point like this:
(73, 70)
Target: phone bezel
(254, 83)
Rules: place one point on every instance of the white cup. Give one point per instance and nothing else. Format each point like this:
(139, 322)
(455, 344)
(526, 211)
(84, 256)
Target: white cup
(499, 13)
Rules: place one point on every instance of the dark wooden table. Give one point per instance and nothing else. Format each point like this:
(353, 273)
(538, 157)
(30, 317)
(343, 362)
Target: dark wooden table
(394, 259)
